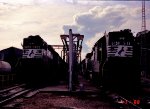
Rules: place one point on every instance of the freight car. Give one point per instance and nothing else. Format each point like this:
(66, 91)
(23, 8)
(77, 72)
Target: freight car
(6, 76)
(11, 55)
(40, 64)
(115, 59)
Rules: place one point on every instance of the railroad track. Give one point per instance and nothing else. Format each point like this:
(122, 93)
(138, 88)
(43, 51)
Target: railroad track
(9, 94)
(132, 102)
(124, 103)
(13, 87)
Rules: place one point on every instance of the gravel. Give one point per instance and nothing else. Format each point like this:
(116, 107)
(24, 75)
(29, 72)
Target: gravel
(59, 101)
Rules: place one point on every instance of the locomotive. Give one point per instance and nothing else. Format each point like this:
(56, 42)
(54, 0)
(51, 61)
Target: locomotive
(41, 64)
(115, 58)
(143, 38)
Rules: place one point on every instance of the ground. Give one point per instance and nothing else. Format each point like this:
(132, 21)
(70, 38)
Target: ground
(59, 101)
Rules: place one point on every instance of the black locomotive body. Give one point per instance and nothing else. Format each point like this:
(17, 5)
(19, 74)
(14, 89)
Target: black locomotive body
(40, 64)
(143, 39)
(115, 59)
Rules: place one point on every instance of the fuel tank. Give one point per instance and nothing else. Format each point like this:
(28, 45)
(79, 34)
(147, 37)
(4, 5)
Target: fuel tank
(5, 67)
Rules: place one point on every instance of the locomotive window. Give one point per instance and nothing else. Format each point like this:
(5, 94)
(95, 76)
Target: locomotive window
(31, 47)
(115, 43)
(119, 43)
(26, 47)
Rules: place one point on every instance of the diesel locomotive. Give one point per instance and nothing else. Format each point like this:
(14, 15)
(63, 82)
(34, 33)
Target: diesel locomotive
(115, 61)
(143, 38)
(40, 63)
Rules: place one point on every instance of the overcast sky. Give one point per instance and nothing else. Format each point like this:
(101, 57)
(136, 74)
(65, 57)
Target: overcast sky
(51, 18)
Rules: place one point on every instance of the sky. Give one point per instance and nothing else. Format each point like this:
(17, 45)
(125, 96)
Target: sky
(52, 18)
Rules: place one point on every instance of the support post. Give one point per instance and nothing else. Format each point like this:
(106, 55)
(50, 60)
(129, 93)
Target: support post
(70, 59)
